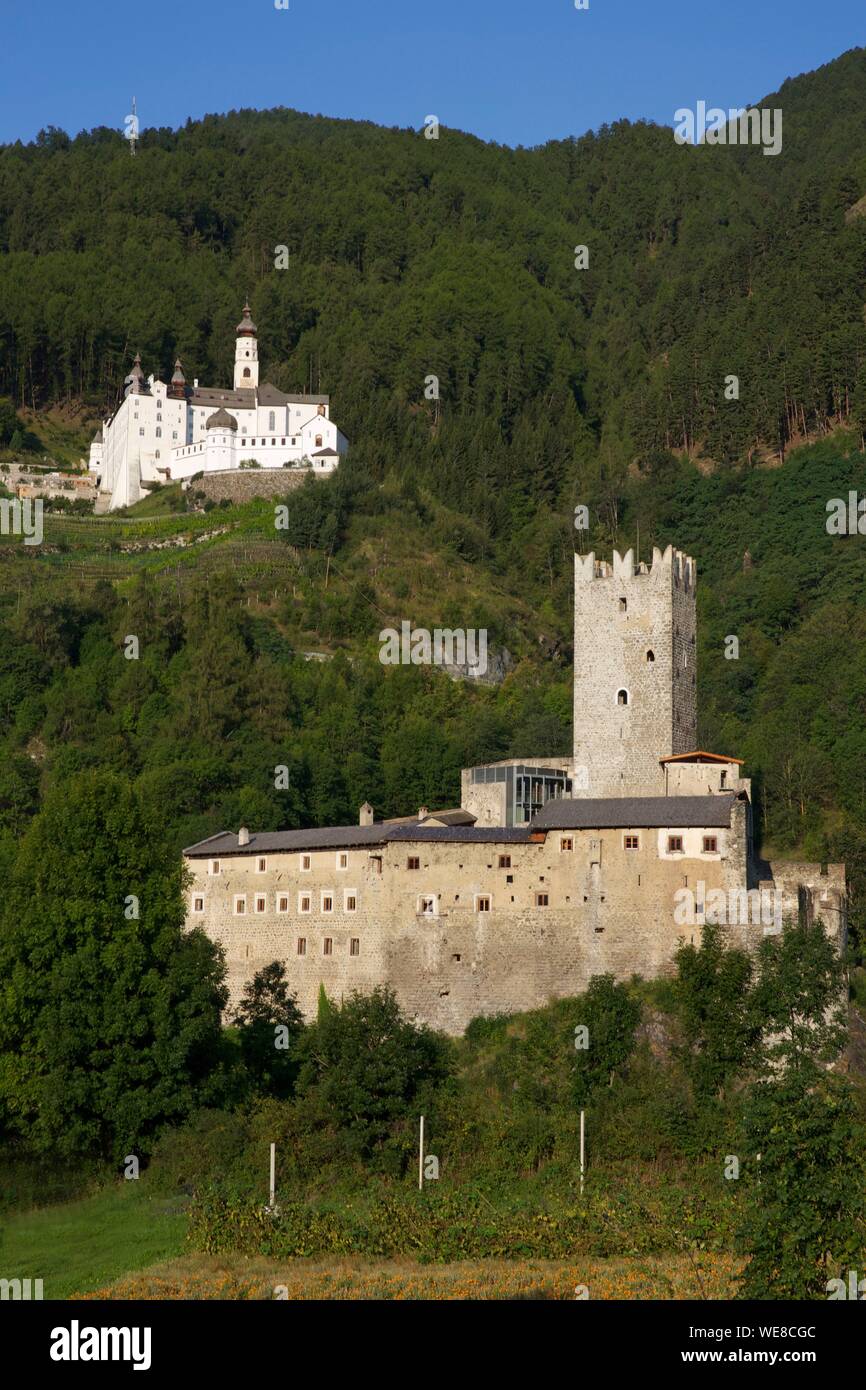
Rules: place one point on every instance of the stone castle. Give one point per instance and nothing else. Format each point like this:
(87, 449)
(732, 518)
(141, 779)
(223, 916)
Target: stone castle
(551, 870)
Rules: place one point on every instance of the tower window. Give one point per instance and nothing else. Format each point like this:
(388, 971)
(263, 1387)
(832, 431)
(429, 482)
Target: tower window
(246, 371)
(623, 606)
(650, 656)
(622, 697)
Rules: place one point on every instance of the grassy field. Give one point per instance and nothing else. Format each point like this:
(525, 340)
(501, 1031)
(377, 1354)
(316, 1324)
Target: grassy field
(79, 1246)
(120, 1243)
(201, 1276)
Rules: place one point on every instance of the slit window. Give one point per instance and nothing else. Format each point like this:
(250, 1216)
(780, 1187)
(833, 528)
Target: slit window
(355, 946)
(328, 946)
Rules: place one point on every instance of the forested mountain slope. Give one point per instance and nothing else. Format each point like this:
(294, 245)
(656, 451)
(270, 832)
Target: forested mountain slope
(411, 257)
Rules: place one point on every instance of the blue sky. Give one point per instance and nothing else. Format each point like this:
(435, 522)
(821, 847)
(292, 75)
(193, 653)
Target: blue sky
(515, 71)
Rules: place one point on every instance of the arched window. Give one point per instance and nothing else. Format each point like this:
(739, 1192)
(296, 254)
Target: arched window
(159, 431)
(650, 656)
(246, 371)
(622, 697)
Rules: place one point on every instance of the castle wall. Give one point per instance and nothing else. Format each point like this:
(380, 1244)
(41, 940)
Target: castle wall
(609, 909)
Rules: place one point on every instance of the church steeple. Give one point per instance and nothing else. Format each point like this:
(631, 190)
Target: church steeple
(177, 386)
(134, 382)
(246, 354)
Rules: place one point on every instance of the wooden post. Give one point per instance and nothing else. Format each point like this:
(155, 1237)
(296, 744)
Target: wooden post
(273, 1172)
(421, 1157)
(582, 1151)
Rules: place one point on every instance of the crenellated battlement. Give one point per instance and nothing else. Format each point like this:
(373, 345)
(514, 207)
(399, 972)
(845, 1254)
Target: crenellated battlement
(669, 565)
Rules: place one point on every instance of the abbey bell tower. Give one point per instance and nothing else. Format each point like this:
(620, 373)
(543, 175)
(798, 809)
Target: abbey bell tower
(246, 354)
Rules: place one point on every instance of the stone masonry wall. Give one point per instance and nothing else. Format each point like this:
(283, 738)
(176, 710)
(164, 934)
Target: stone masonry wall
(634, 631)
(240, 484)
(609, 909)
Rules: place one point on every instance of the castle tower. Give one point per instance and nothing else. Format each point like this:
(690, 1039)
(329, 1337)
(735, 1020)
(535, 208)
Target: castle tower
(246, 354)
(634, 671)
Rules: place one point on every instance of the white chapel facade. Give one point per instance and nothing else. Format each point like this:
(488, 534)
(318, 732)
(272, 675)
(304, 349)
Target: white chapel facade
(167, 432)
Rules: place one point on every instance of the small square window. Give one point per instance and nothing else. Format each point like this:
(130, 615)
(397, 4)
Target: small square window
(198, 904)
(632, 842)
(711, 844)
(509, 878)
(327, 902)
(566, 844)
(413, 862)
(355, 946)
(328, 946)
(675, 844)
(302, 945)
(505, 861)
(482, 903)
(427, 906)
(305, 902)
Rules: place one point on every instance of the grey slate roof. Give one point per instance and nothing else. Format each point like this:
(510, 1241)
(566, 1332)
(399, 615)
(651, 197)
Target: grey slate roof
(626, 812)
(238, 400)
(331, 837)
(270, 395)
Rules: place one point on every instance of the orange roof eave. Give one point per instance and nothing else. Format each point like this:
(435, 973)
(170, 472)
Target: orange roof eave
(700, 753)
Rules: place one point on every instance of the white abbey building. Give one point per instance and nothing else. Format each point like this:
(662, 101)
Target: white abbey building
(162, 433)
